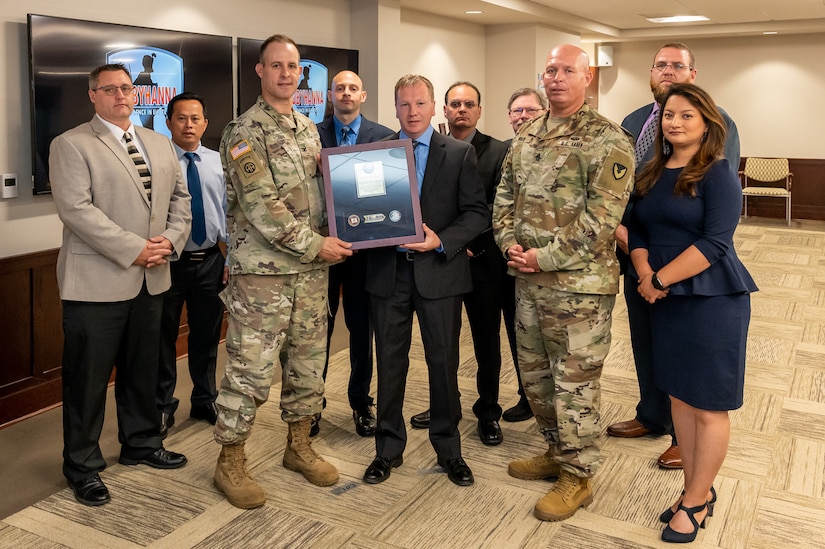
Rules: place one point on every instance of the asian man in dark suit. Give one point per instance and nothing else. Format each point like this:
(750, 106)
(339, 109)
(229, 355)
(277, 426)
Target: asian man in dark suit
(119, 192)
(428, 279)
(347, 126)
(493, 289)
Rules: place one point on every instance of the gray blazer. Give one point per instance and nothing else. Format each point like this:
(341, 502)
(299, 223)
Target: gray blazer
(106, 215)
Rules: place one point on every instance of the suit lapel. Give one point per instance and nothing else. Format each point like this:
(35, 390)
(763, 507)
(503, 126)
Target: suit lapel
(434, 161)
(120, 153)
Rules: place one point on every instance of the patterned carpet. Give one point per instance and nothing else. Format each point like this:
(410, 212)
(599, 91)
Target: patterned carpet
(771, 487)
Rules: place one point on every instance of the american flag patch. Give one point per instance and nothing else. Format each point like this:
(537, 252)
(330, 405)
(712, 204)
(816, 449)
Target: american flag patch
(239, 150)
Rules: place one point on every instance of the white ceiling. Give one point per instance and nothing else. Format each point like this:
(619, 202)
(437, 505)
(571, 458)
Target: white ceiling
(623, 20)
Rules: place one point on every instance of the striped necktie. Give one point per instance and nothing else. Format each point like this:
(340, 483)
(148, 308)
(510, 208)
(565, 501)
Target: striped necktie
(647, 135)
(347, 136)
(140, 164)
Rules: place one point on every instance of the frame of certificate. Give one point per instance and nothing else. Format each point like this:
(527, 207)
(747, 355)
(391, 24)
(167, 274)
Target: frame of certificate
(372, 194)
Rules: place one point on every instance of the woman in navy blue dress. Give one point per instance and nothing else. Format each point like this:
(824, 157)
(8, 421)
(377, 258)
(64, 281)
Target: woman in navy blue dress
(686, 207)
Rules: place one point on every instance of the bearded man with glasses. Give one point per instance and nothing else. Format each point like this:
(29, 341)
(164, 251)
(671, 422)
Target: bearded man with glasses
(673, 64)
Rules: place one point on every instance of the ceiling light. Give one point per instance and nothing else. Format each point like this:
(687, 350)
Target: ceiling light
(678, 19)
(770, 32)
(473, 12)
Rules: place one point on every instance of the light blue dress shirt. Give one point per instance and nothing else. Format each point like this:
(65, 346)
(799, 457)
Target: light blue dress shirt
(210, 171)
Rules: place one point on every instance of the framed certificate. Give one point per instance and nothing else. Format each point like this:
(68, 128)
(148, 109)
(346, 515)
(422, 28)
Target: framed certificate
(372, 194)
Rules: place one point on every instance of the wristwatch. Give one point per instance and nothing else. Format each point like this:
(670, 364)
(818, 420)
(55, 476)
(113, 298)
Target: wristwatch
(657, 283)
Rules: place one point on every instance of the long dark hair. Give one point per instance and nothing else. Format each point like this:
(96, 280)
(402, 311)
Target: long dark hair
(710, 150)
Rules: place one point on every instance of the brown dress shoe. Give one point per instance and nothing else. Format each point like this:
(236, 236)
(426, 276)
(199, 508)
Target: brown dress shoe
(671, 459)
(628, 429)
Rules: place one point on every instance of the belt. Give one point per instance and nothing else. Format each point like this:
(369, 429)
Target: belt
(200, 255)
(406, 256)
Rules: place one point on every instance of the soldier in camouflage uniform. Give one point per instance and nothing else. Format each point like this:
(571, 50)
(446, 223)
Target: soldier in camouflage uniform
(278, 269)
(564, 186)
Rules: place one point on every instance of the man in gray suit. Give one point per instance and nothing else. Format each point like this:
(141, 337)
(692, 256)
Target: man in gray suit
(124, 206)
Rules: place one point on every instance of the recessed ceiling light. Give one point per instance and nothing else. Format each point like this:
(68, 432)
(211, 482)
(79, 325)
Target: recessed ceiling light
(473, 12)
(770, 32)
(678, 19)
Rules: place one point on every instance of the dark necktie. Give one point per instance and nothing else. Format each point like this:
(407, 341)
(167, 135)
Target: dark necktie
(419, 170)
(194, 181)
(347, 136)
(647, 136)
(140, 164)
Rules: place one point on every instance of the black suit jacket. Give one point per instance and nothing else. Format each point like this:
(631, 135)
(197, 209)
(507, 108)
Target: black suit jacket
(369, 132)
(487, 263)
(454, 206)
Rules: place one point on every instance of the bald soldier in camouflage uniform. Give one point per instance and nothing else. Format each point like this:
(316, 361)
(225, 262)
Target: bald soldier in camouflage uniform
(564, 186)
(278, 275)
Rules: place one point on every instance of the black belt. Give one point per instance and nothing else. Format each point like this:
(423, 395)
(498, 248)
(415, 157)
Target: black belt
(406, 256)
(200, 255)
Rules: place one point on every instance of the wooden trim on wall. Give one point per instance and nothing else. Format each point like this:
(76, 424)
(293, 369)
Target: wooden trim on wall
(32, 336)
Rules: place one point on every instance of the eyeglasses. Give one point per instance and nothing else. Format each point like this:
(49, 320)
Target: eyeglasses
(111, 90)
(677, 67)
(467, 104)
(531, 111)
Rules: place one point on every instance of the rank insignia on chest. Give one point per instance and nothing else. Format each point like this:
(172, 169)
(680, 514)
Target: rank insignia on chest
(619, 171)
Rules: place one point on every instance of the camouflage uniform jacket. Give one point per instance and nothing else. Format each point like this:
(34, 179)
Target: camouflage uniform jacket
(564, 186)
(275, 203)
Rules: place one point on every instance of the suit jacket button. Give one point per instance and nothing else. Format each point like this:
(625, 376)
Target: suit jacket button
(152, 218)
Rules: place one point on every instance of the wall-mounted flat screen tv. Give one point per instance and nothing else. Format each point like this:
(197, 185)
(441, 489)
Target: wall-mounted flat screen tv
(163, 63)
(318, 67)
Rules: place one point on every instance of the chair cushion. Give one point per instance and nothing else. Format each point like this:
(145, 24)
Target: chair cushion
(765, 191)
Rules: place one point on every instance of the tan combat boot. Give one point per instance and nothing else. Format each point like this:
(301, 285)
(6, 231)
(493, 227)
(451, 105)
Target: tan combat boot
(232, 478)
(535, 468)
(569, 493)
(299, 456)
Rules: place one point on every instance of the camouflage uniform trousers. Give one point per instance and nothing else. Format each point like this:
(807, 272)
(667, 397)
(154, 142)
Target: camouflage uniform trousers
(278, 319)
(563, 339)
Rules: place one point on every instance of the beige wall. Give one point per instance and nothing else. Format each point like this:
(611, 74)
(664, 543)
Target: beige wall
(772, 86)
(765, 83)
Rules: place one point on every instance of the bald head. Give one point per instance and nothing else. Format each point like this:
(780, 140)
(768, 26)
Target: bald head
(346, 95)
(566, 77)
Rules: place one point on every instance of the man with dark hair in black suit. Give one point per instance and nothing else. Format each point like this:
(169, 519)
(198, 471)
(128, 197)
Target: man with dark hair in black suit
(347, 126)
(428, 279)
(493, 290)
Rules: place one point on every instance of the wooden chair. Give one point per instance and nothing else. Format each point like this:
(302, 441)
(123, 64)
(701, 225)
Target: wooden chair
(770, 172)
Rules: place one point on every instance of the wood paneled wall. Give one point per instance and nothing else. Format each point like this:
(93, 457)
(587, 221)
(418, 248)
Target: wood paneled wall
(31, 335)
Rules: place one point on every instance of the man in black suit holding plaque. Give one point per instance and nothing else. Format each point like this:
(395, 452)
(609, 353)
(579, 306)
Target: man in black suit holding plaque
(429, 279)
(346, 280)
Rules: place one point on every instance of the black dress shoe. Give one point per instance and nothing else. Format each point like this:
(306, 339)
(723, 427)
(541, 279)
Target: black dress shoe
(364, 421)
(315, 425)
(167, 419)
(421, 421)
(90, 491)
(489, 432)
(159, 459)
(380, 469)
(519, 412)
(457, 471)
(207, 412)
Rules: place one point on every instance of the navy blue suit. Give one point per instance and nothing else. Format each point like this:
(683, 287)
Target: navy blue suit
(431, 285)
(653, 409)
(346, 280)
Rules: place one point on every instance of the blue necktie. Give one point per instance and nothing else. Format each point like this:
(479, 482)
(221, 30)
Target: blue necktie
(347, 136)
(647, 135)
(194, 181)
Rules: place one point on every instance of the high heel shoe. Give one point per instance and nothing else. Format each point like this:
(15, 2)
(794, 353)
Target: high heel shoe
(711, 501)
(668, 513)
(672, 536)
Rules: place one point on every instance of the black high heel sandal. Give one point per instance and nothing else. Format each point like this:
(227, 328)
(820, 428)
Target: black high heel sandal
(668, 513)
(670, 535)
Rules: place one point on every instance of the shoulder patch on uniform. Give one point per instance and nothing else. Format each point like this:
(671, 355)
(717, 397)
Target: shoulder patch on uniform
(619, 171)
(239, 150)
